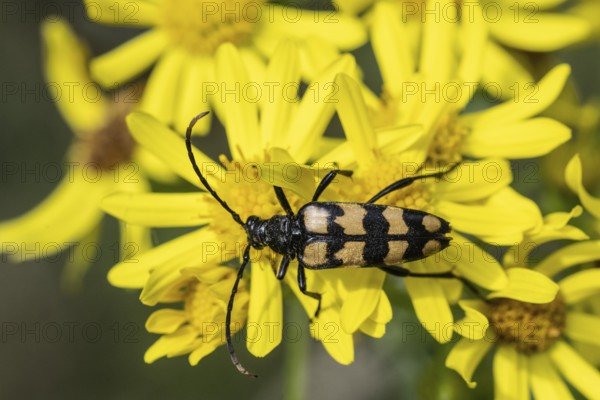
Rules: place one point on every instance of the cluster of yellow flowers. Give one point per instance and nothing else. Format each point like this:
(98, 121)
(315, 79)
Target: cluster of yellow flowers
(274, 75)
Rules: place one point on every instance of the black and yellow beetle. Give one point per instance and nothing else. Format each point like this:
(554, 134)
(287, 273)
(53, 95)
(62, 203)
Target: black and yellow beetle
(326, 235)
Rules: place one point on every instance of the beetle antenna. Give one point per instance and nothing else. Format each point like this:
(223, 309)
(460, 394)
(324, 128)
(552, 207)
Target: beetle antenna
(188, 145)
(232, 354)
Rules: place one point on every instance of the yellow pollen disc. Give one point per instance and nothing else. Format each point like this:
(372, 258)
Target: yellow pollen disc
(201, 26)
(246, 194)
(199, 304)
(445, 147)
(383, 173)
(531, 328)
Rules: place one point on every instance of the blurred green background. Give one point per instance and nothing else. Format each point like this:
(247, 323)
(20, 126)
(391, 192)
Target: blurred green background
(91, 344)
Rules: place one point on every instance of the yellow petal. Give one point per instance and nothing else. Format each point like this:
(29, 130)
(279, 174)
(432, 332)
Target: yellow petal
(394, 57)
(165, 321)
(431, 307)
(197, 355)
(193, 92)
(153, 166)
(574, 180)
(465, 356)
(241, 111)
(161, 92)
(539, 31)
(128, 60)
(580, 285)
(510, 374)
(474, 38)
(282, 171)
(357, 125)
(42, 231)
(344, 31)
(475, 264)
(160, 209)
(170, 147)
(79, 100)
(527, 286)
(137, 13)
(265, 314)
(364, 288)
(170, 344)
(133, 273)
(523, 139)
(474, 180)
(533, 100)
(439, 34)
(317, 107)
(327, 329)
(209, 250)
(283, 71)
(508, 212)
(584, 377)
(504, 76)
(569, 256)
(83, 254)
(583, 327)
(474, 324)
(546, 383)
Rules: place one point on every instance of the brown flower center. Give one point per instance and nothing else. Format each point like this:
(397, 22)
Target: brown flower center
(531, 328)
(111, 145)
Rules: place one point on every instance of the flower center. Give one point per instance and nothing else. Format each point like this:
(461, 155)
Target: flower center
(111, 144)
(531, 328)
(202, 305)
(447, 142)
(201, 26)
(246, 194)
(364, 186)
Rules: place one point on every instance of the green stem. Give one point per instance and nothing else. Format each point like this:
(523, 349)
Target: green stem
(296, 346)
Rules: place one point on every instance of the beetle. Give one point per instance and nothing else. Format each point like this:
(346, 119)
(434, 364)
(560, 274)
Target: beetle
(323, 235)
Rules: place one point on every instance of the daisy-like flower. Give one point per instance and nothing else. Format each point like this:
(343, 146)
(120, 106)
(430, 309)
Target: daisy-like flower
(533, 337)
(102, 159)
(186, 34)
(198, 327)
(430, 86)
(295, 128)
(532, 26)
(474, 201)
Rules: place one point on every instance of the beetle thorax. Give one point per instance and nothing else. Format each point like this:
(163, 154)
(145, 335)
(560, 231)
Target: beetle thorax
(275, 233)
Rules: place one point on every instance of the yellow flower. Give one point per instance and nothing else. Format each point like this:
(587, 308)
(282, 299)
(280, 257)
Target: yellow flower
(433, 90)
(534, 26)
(198, 328)
(474, 200)
(530, 334)
(102, 159)
(186, 34)
(283, 123)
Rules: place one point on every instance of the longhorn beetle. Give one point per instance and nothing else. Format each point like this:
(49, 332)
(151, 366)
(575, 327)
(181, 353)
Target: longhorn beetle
(326, 235)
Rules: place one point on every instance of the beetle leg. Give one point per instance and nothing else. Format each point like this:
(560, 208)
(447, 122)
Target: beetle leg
(283, 200)
(283, 266)
(327, 179)
(302, 286)
(403, 272)
(404, 182)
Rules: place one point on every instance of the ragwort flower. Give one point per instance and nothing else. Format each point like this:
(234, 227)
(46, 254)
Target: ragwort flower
(431, 87)
(186, 34)
(532, 335)
(472, 199)
(102, 159)
(295, 128)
